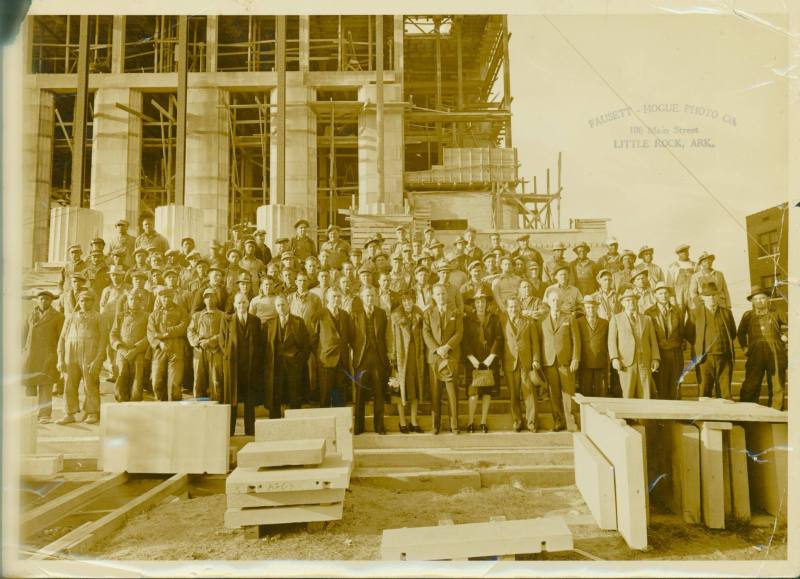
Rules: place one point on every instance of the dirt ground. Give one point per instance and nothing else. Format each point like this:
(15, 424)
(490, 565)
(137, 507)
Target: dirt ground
(193, 529)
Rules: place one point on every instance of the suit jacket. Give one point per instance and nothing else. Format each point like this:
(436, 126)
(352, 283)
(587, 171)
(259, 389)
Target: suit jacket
(560, 341)
(332, 338)
(39, 357)
(669, 333)
(287, 354)
(521, 346)
(437, 332)
(359, 335)
(241, 356)
(624, 341)
(594, 343)
(696, 329)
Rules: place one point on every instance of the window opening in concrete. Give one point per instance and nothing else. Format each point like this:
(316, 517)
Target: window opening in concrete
(247, 43)
(61, 168)
(151, 43)
(54, 44)
(159, 132)
(249, 159)
(347, 43)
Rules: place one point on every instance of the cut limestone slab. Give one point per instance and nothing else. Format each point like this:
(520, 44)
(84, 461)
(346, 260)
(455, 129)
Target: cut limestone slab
(685, 461)
(594, 476)
(28, 423)
(283, 499)
(740, 488)
(165, 437)
(235, 518)
(333, 473)
(493, 538)
(281, 453)
(269, 430)
(344, 425)
(624, 448)
(42, 465)
(711, 473)
(768, 467)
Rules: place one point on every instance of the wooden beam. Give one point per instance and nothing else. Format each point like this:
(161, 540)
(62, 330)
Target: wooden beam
(711, 473)
(280, 121)
(740, 488)
(139, 114)
(81, 113)
(45, 515)
(180, 137)
(379, 104)
(85, 536)
(685, 471)
(594, 477)
(506, 79)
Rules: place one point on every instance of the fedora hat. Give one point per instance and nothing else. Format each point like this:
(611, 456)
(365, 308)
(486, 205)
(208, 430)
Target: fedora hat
(755, 290)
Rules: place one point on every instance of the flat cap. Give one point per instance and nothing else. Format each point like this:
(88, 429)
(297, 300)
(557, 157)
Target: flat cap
(473, 264)
(523, 237)
(44, 292)
(282, 240)
(629, 294)
(116, 270)
(187, 239)
(300, 222)
(98, 241)
(209, 292)
(75, 247)
(122, 222)
(681, 247)
(87, 293)
(560, 245)
(333, 227)
(287, 255)
(612, 241)
(602, 273)
(661, 285)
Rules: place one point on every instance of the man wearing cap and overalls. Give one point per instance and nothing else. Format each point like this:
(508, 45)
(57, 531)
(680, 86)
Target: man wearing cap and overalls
(123, 241)
(129, 340)
(582, 270)
(81, 349)
(207, 334)
(762, 335)
(612, 260)
(338, 249)
(149, 238)
(75, 265)
(556, 261)
(679, 274)
(109, 302)
(655, 272)
(301, 244)
(39, 360)
(704, 275)
(525, 251)
(166, 331)
(622, 277)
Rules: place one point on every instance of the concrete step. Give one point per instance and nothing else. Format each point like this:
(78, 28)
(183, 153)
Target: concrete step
(456, 480)
(464, 457)
(496, 422)
(370, 440)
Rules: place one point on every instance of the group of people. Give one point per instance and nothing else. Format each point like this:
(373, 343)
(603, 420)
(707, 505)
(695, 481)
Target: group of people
(397, 322)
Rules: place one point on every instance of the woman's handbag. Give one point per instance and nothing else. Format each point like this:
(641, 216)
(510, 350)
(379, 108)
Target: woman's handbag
(482, 378)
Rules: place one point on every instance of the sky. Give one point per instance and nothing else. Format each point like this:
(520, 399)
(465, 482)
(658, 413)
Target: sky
(714, 89)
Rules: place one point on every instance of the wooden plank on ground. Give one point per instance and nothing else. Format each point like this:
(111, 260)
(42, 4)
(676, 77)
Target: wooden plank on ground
(685, 461)
(624, 448)
(283, 499)
(493, 538)
(641, 429)
(344, 425)
(281, 453)
(235, 518)
(768, 467)
(594, 476)
(273, 430)
(86, 536)
(333, 473)
(740, 488)
(45, 515)
(711, 473)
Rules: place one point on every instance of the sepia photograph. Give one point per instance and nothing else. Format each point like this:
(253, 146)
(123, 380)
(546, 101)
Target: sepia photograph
(454, 289)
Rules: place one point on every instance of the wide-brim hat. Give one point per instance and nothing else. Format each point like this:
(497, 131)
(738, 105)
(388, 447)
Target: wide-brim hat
(300, 222)
(582, 244)
(333, 228)
(116, 270)
(171, 271)
(371, 241)
(645, 249)
(249, 240)
(755, 290)
(44, 292)
(401, 228)
(473, 264)
(704, 256)
(627, 253)
(209, 292)
(603, 272)
(612, 241)
(662, 285)
(629, 293)
(233, 250)
(639, 271)
(187, 239)
(560, 245)
(682, 247)
(420, 268)
(429, 229)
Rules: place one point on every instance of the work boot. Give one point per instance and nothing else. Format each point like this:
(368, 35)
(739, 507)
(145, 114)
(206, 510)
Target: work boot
(66, 419)
(91, 419)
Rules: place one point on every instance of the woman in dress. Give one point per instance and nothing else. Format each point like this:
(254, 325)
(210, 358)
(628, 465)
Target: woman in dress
(483, 347)
(406, 351)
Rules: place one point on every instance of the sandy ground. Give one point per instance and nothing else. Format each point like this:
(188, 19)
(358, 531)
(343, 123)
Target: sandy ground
(193, 529)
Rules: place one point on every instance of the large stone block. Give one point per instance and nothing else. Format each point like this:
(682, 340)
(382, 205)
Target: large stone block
(275, 430)
(344, 425)
(71, 225)
(333, 473)
(284, 499)
(235, 518)
(282, 453)
(178, 221)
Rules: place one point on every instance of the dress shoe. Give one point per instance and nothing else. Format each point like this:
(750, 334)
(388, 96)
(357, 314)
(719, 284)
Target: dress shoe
(435, 430)
(485, 428)
(532, 428)
(381, 431)
(44, 420)
(415, 428)
(91, 419)
(403, 429)
(471, 428)
(517, 426)
(66, 419)
(558, 428)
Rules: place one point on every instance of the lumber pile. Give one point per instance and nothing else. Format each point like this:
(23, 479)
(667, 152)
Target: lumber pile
(297, 471)
(710, 461)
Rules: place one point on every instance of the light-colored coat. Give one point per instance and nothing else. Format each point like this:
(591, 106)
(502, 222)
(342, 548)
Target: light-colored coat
(622, 342)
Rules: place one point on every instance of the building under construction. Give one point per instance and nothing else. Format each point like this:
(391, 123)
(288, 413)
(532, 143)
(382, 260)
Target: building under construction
(207, 121)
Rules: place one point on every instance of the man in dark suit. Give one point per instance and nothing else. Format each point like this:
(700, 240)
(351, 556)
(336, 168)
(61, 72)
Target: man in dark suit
(370, 361)
(633, 348)
(561, 355)
(241, 357)
(668, 322)
(287, 346)
(332, 346)
(39, 359)
(521, 351)
(442, 330)
(593, 371)
(711, 328)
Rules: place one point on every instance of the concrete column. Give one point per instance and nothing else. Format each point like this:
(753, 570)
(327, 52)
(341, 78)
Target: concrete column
(368, 200)
(301, 148)
(37, 163)
(178, 221)
(207, 158)
(116, 157)
(212, 23)
(118, 44)
(278, 220)
(397, 54)
(70, 225)
(305, 43)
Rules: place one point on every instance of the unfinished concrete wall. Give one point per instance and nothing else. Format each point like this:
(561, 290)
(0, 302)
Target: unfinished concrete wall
(37, 163)
(207, 158)
(116, 157)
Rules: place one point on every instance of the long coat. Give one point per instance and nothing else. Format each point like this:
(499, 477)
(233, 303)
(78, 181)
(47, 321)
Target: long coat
(480, 340)
(292, 349)
(359, 333)
(404, 327)
(438, 332)
(696, 330)
(332, 338)
(594, 343)
(39, 355)
(241, 358)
